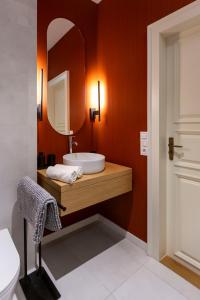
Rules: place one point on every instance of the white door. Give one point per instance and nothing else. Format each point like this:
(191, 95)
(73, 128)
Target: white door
(183, 172)
(58, 103)
(60, 112)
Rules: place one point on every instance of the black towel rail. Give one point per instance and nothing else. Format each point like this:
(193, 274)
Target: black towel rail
(37, 285)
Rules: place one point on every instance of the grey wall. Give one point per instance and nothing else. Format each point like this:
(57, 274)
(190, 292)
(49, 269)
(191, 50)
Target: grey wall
(17, 106)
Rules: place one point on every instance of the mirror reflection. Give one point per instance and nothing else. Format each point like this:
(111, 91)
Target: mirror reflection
(66, 76)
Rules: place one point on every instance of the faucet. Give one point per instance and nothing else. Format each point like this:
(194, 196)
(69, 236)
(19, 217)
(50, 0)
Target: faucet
(71, 143)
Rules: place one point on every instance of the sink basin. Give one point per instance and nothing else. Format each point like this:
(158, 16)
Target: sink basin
(90, 162)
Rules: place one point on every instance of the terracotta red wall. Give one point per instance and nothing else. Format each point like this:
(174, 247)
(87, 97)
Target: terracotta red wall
(122, 65)
(69, 54)
(85, 18)
(83, 13)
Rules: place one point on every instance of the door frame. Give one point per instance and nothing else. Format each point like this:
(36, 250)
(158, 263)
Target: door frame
(156, 192)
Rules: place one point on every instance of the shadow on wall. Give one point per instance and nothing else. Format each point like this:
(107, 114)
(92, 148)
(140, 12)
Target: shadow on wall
(119, 210)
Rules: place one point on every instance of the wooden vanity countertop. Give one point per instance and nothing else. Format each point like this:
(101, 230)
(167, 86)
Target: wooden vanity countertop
(111, 171)
(90, 189)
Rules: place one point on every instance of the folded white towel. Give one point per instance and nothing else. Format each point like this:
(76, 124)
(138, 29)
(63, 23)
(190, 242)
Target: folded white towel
(67, 174)
(77, 169)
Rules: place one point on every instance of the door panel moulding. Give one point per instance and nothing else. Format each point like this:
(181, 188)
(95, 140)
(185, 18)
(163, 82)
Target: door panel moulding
(158, 32)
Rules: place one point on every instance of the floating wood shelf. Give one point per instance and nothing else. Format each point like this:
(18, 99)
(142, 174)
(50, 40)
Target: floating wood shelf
(115, 180)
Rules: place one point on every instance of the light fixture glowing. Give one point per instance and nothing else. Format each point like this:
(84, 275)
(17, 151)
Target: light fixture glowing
(95, 110)
(40, 97)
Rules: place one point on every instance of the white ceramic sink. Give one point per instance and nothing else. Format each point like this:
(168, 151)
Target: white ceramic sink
(90, 162)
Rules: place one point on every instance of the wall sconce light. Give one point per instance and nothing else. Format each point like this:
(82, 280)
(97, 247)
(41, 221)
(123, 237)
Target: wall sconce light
(40, 100)
(96, 112)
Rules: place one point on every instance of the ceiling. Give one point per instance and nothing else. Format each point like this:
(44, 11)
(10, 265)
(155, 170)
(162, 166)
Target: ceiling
(56, 30)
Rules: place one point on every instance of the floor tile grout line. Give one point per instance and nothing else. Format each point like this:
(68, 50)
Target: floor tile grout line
(165, 281)
(140, 265)
(107, 297)
(103, 286)
(83, 263)
(124, 281)
(134, 257)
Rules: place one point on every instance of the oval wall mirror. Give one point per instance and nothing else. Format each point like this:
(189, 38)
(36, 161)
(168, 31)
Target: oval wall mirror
(66, 76)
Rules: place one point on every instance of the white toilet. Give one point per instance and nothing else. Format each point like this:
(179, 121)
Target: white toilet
(9, 266)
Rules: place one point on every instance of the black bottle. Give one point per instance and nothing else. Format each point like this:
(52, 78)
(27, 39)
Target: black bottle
(41, 160)
(51, 160)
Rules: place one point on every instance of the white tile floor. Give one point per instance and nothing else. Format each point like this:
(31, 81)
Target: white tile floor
(95, 263)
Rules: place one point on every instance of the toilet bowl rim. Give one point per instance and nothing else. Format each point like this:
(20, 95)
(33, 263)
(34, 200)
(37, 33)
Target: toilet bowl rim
(11, 284)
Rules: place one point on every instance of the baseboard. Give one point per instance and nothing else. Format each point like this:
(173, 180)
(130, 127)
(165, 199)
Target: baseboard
(56, 235)
(132, 238)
